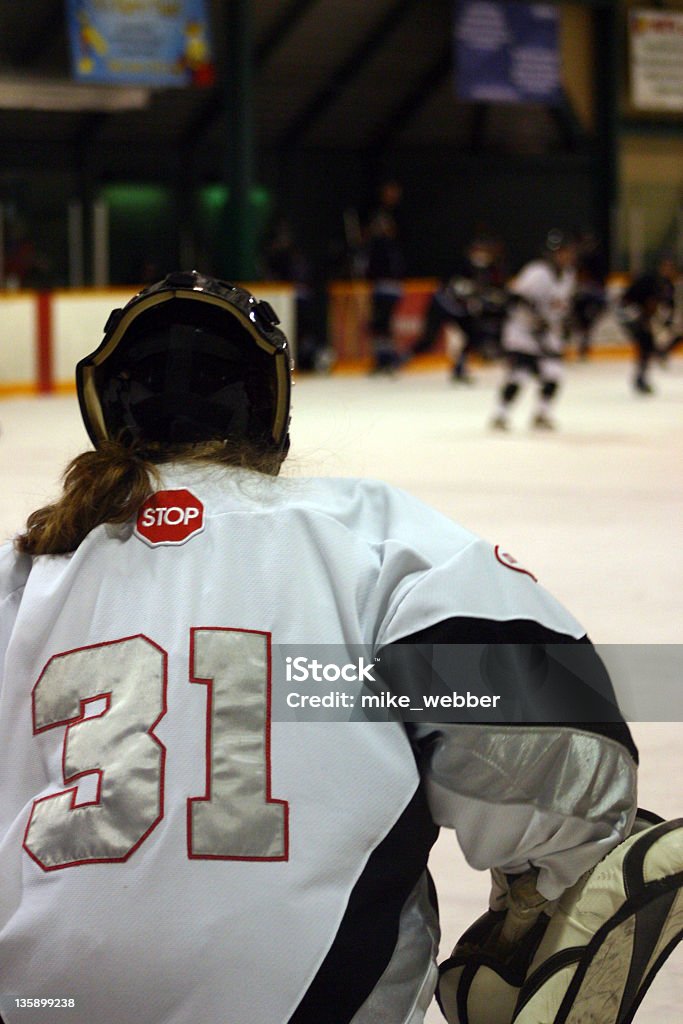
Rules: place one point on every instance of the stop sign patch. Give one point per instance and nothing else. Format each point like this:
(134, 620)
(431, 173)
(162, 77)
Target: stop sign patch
(170, 517)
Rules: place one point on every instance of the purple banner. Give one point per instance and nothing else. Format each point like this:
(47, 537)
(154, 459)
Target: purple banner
(507, 52)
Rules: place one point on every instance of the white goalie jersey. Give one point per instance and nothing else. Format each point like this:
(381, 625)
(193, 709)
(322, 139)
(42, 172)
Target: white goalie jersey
(187, 836)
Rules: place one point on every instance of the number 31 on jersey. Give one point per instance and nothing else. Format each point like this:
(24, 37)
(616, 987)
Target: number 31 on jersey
(235, 819)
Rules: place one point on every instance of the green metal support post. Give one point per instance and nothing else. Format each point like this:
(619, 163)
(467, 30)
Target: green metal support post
(608, 37)
(237, 256)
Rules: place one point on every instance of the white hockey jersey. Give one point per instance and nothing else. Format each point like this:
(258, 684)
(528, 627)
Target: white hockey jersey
(535, 326)
(174, 851)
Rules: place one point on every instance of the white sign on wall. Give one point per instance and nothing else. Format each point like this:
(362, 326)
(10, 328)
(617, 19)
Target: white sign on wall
(656, 44)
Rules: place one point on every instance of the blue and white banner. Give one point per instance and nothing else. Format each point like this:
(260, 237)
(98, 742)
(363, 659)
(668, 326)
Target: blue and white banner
(140, 42)
(507, 52)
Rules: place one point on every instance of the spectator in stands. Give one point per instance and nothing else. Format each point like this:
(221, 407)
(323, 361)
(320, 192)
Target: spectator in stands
(284, 260)
(385, 271)
(25, 266)
(590, 298)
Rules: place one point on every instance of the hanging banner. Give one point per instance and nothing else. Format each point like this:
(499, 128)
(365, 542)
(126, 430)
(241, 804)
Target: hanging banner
(507, 52)
(140, 42)
(656, 39)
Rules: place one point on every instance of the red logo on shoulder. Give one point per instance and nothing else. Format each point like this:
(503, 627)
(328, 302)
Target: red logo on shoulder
(510, 562)
(170, 517)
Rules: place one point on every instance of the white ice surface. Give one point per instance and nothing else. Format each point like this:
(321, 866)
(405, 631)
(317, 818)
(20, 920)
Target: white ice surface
(595, 510)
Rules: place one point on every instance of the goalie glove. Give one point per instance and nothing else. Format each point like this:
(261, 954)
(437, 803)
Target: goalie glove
(481, 980)
(589, 957)
(610, 934)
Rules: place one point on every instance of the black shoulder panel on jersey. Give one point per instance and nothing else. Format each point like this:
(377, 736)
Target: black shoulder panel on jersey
(545, 677)
(466, 629)
(367, 935)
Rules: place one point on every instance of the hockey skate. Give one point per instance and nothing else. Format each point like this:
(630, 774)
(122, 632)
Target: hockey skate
(593, 960)
(542, 421)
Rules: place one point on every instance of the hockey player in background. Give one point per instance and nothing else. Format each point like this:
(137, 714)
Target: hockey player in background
(647, 311)
(535, 331)
(177, 846)
(473, 299)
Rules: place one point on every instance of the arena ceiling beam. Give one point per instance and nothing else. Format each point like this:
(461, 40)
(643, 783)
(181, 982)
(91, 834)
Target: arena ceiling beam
(568, 125)
(288, 19)
(345, 72)
(28, 48)
(414, 99)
